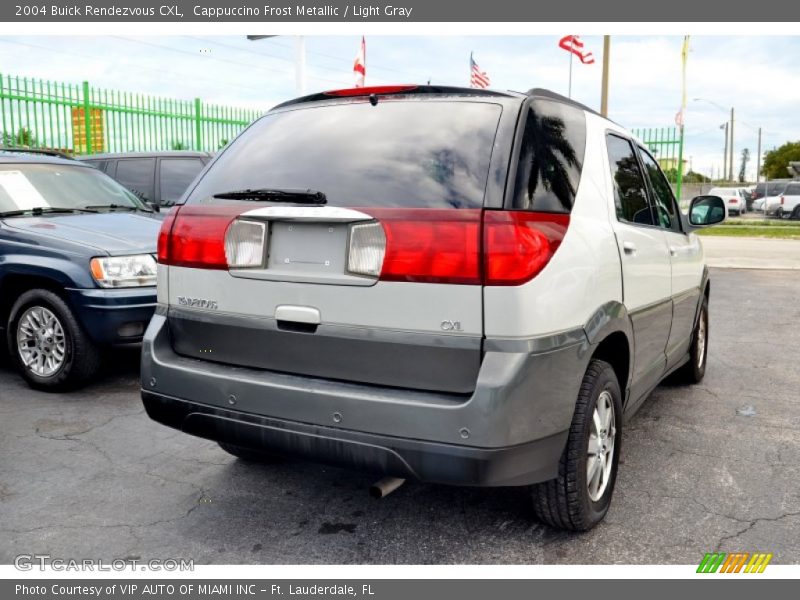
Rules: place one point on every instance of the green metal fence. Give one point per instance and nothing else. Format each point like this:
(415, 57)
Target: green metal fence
(84, 119)
(664, 143)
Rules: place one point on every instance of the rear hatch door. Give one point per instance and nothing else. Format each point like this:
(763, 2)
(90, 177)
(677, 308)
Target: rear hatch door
(378, 283)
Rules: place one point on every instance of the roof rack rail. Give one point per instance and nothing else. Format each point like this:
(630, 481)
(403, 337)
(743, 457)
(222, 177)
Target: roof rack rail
(43, 151)
(543, 93)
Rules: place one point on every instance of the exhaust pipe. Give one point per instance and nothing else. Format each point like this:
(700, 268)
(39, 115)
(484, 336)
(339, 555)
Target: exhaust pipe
(384, 487)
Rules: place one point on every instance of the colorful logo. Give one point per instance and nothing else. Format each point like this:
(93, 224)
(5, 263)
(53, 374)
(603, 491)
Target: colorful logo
(737, 562)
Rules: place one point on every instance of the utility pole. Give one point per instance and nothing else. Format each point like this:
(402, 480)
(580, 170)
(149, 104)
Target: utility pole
(758, 157)
(730, 173)
(604, 89)
(300, 65)
(299, 60)
(725, 153)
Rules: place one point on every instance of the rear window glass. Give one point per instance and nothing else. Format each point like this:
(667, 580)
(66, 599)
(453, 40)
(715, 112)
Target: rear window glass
(399, 153)
(137, 175)
(551, 157)
(176, 175)
(773, 189)
(793, 189)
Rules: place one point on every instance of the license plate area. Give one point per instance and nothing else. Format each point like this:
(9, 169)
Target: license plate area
(306, 252)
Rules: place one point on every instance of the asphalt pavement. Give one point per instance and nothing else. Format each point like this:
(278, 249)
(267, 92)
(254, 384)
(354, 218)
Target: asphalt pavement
(710, 467)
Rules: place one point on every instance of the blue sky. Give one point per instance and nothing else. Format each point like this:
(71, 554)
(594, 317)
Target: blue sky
(756, 75)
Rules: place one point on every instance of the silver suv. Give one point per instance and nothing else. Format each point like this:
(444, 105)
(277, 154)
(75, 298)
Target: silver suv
(460, 286)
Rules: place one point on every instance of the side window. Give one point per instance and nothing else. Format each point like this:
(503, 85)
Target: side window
(551, 157)
(176, 175)
(137, 175)
(630, 195)
(663, 199)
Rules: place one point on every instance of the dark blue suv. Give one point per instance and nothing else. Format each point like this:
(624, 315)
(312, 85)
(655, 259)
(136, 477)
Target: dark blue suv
(77, 266)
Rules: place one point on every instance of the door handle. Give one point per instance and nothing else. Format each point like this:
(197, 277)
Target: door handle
(629, 248)
(673, 251)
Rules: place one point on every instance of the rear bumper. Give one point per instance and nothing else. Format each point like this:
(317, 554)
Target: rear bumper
(114, 316)
(385, 455)
(510, 431)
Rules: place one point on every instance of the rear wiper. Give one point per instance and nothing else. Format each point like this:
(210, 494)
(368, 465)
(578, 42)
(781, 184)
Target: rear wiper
(96, 207)
(276, 195)
(43, 210)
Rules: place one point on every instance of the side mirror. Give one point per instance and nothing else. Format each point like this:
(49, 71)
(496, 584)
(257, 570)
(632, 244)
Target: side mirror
(706, 210)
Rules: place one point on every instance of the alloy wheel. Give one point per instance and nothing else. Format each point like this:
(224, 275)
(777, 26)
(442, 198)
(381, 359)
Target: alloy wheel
(701, 341)
(600, 451)
(41, 341)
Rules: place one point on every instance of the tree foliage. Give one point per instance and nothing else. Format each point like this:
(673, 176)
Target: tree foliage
(688, 177)
(23, 138)
(776, 161)
(743, 167)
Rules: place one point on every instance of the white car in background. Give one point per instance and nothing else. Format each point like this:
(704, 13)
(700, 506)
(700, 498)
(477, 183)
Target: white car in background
(771, 206)
(735, 198)
(789, 202)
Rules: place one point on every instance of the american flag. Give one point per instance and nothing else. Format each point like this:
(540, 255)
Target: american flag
(477, 78)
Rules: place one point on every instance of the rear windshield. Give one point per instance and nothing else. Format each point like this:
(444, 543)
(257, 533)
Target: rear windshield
(399, 153)
(774, 189)
(793, 189)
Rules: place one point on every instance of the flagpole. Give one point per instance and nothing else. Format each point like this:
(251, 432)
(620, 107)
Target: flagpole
(569, 91)
(684, 58)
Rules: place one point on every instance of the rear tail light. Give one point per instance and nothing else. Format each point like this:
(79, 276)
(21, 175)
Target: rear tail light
(245, 244)
(464, 246)
(430, 245)
(782, 200)
(164, 234)
(733, 201)
(518, 245)
(458, 246)
(194, 236)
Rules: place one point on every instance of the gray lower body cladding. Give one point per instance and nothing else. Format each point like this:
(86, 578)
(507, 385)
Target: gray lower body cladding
(418, 361)
(510, 431)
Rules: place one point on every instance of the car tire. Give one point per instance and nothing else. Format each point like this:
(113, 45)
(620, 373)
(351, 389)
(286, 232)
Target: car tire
(576, 500)
(250, 455)
(796, 213)
(694, 370)
(60, 355)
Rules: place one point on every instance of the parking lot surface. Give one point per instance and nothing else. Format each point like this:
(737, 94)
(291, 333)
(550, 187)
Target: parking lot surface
(711, 467)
